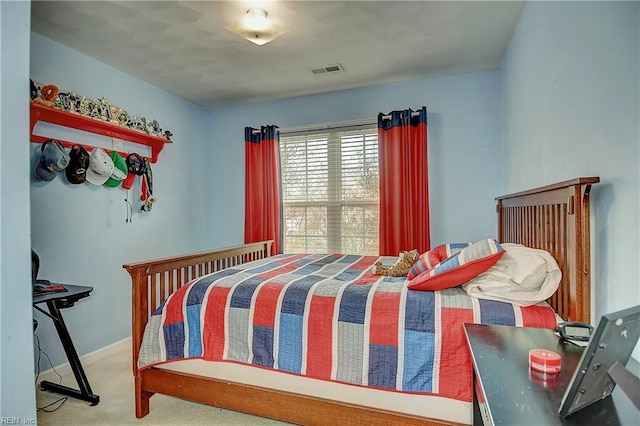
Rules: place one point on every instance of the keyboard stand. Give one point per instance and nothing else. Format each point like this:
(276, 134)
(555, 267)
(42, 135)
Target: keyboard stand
(55, 302)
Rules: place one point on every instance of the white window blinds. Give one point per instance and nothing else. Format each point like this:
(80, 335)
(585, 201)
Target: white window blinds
(330, 191)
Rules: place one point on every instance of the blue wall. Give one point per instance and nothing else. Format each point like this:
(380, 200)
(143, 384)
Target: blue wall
(17, 393)
(79, 231)
(463, 148)
(569, 93)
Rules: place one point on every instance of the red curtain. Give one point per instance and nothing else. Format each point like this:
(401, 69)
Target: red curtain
(404, 193)
(263, 217)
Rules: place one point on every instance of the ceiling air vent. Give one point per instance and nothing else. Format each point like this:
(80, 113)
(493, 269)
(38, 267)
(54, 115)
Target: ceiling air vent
(327, 69)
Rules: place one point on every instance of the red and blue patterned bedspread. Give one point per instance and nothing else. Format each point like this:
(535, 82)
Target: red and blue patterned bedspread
(328, 317)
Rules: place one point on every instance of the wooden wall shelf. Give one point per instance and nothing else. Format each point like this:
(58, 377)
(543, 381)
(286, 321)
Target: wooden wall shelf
(47, 114)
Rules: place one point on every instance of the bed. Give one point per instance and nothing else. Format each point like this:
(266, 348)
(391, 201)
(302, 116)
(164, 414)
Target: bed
(205, 364)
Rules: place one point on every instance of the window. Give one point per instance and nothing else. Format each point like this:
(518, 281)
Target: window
(330, 191)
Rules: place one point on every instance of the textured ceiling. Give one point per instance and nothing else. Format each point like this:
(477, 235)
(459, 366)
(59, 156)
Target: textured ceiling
(183, 47)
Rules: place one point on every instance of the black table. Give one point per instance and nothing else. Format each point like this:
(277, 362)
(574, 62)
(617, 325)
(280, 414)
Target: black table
(55, 302)
(507, 392)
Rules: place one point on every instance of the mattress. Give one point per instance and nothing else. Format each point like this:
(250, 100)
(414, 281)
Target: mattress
(430, 406)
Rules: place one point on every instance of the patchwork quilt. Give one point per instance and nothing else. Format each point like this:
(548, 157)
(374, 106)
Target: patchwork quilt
(328, 317)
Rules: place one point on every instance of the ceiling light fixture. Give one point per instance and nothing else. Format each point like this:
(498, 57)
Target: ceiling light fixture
(256, 28)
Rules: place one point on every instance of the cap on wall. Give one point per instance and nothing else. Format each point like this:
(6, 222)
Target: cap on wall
(76, 171)
(100, 167)
(119, 171)
(53, 160)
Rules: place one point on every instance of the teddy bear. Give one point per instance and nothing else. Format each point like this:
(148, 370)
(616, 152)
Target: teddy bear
(405, 261)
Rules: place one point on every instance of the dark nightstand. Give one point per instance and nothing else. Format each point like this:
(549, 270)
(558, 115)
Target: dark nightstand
(507, 392)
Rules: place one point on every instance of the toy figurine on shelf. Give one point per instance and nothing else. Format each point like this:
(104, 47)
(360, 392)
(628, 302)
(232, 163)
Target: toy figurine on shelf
(138, 123)
(84, 106)
(103, 107)
(63, 101)
(95, 109)
(48, 95)
(141, 125)
(35, 89)
(74, 103)
(123, 118)
(114, 110)
(153, 128)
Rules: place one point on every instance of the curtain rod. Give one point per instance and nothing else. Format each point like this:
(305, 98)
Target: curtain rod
(256, 131)
(324, 127)
(413, 114)
(335, 125)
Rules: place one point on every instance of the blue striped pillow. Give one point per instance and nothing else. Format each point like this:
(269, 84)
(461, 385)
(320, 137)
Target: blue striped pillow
(459, 268)
(431, 258)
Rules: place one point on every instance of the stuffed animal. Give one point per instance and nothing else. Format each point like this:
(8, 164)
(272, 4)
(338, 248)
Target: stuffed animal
(48, 95)
(405, 261)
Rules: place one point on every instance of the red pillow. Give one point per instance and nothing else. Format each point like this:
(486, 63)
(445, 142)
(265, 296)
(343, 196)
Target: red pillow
(431, 258)
(459, 268)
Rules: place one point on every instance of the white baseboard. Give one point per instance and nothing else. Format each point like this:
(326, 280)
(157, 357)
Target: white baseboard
(88, 359)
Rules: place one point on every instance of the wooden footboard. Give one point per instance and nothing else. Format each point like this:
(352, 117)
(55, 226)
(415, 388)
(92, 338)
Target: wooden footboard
(155, 280)
(555, 218)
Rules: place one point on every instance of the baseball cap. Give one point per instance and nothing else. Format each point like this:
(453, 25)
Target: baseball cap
(119, 171)
(76, 171)
(100, 167)
(136, 166)
(53, 160)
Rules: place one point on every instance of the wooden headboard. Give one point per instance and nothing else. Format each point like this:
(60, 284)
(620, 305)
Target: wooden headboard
(555, 218)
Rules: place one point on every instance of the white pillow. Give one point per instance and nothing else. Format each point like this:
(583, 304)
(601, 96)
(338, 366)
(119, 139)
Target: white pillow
(523, 276)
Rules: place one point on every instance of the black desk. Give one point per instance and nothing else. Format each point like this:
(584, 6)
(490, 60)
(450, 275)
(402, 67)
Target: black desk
(55, 302)
(507, 392)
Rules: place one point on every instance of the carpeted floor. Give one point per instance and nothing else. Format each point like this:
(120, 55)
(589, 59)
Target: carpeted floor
(112, 379)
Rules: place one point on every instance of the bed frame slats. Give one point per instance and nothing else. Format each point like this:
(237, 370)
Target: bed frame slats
(555, 218)
(150, 278)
